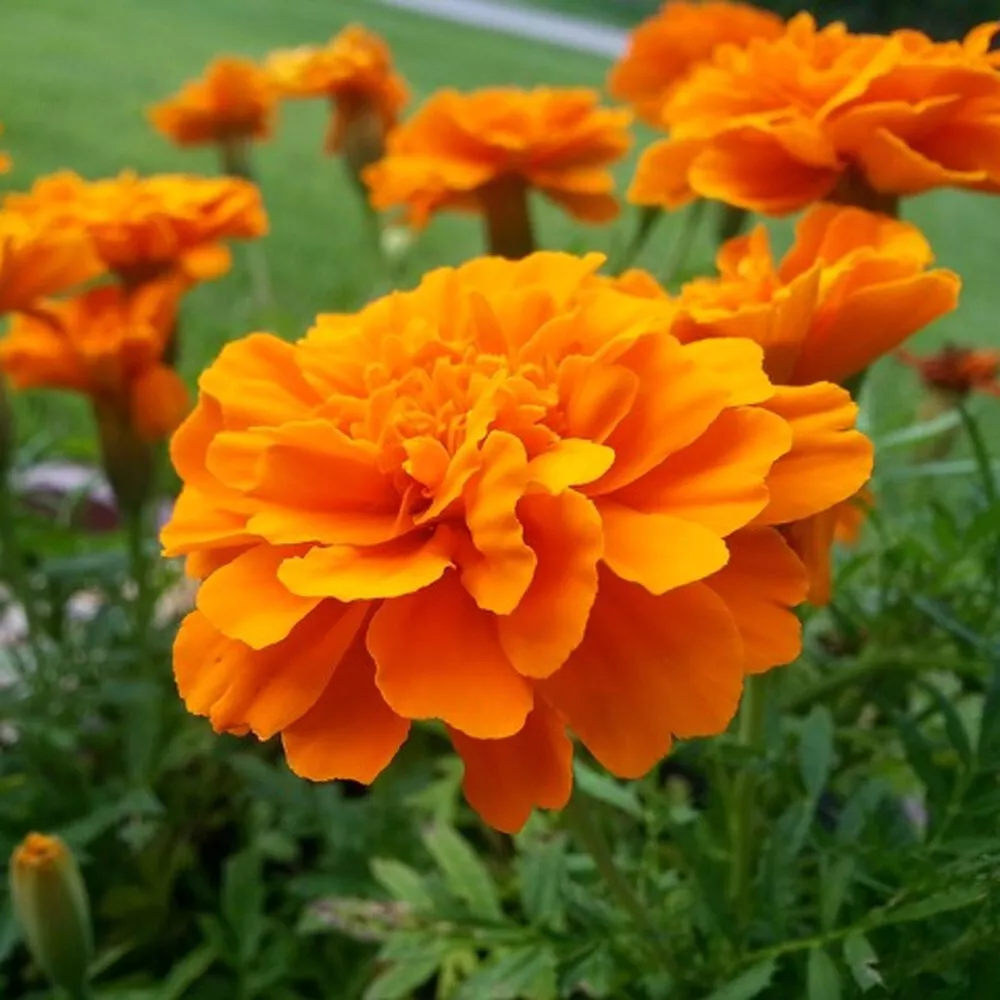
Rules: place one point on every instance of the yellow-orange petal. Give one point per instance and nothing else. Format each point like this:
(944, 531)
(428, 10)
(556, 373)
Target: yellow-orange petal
(812, 541)
(505, 779)
(222, 598)
(828, 461)
(196, 523)
(761, 584)
(649, 668)
(350, 732)
(263, 691)
(569, 462)
(661, 175)
(358, 573)
(160, 401)
(438, 657)
(565, 533)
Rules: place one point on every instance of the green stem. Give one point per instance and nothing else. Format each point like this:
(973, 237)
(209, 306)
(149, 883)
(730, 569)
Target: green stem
(580, 820)
(981, 453)
(237, 162)
(681, 249)
(13, 561)
(139, 565)
(649, 216)
(750, 734)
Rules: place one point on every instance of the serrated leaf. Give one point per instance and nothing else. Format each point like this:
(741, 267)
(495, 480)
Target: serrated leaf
(599, 786)
(941, 902)
(541, 872)
(816, 750)
(467, 877)
(835, 879)
(399, 981)
(862, 961)
(822, 977)
(750, 984)
(402, 882)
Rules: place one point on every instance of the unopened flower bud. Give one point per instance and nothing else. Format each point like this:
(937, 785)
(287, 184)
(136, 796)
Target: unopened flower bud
(51, 905)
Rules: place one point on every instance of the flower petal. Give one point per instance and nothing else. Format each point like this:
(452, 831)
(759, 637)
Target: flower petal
(505, 779)
(438, 657)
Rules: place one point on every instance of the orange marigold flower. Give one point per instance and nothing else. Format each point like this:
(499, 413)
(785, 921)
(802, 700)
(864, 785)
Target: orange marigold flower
(853, 287)
(957, 371)
(823, 113)
(483, 151)
(234, 101)
(108, 345)
(38, 260)
(144, 228)
(355, 71)
(509, 500)
(666, 47)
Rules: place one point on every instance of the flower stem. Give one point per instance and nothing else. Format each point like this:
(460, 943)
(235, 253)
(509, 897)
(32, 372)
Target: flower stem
(139, 566)
(236, 162)
(581, 822)
(750, 734)
(649, 216)
(681, 249)
(981, 454)
(508, 221)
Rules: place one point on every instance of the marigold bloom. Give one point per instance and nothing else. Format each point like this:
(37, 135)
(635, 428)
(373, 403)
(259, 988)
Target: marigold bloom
(482, 151)
(108, 345)
(666, 47)
(509, 500)
(144, 228)
(354, 70)
(234, 101)
(957, 371)
(823, 113)
(38, 260)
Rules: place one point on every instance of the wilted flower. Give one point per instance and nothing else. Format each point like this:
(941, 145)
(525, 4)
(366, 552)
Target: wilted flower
(38, 259)
(483, 151)
(354, 71)
(509, 500)
(957, 371)
(51, 905)
(145, 228)
(826, 114)
(231, 106)
(666, 47)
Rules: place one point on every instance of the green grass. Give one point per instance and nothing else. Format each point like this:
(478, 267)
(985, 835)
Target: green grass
(79, 76)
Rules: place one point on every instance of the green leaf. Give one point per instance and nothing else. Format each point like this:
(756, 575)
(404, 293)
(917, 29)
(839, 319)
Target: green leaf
(242, 902)
(607, 790)
(752, 983)
(525, 974)
(941, 902)
(399, 981)
(467, 877)
(822, 977)
(953, 725)
(988, 750)
(816, 750)
(541, 873)
(402, 882)
(862, 961)
(835, 879)
(186, 973)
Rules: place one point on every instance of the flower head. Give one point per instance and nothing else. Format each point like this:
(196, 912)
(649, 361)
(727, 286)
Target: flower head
(854, 286)
(146, 227)
(509, 500)
(39, 259)
(788, 121)
(354, 70)
(666, 47)
(108, 345)
(957, 371)
(459, 149)
(233, 101)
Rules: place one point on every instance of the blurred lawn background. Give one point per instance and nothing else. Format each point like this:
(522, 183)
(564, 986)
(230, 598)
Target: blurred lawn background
(75, 80)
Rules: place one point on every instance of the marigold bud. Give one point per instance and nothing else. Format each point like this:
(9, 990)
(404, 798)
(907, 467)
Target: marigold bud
(51, 905)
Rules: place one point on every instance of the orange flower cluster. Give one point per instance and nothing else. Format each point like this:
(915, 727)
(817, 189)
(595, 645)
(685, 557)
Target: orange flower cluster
(144, 228)
(234, 101)
(509, 500)
(854, 285)
(957, 371)
(663, 50)
(355, 71)
(109, 345)
(822, 113)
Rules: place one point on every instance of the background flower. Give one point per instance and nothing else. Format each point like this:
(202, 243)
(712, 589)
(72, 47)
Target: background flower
(666, 47)
(508, 500)
(957, 370)
(821, 113)
(234, 100)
